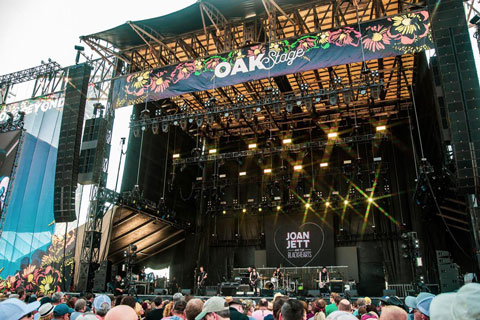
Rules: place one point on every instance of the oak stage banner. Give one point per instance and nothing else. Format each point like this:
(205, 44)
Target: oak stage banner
(387, 37)
(298, 241)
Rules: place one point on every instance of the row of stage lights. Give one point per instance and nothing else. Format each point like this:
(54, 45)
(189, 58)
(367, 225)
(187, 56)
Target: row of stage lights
(307, 205)
(287, 141)
(272, 98)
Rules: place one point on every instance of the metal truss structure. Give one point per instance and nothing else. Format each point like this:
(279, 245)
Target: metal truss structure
(49, 77)
(310, 145)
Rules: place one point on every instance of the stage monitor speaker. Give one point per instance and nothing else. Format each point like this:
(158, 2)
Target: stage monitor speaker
(336, 287)
(351, 293)
(313, 293)
(389, 292)
(186, 291)
(266, 293)
(68, 151)
(229, 291)
(211, 292)
(160, 291)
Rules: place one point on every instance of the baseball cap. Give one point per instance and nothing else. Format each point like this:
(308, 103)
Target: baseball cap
(463, 304)
(214, 304)
(235, 301)
(392, 301)
(412, 302)
(100, 300)
(45, 309)
(57, 296)
(177, 296)
(424, 305)
(14, 309)
(62, 309)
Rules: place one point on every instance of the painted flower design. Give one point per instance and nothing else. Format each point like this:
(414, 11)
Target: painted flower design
(322, 37)
(212, 62)
(49, 282)
(406, 24)
(183, 71)
(377, 37)
(159, 82)
(137, 83)
(198, 64)
(306, 43)
(345, 37)
(237, 54)
(276, 46)
(256, 50)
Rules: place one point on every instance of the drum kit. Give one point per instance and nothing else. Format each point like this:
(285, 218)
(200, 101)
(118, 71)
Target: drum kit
(287, 283)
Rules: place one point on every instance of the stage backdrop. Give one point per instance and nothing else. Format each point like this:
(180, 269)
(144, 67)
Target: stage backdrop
(298, 240)
(35, 252)
(387, 37)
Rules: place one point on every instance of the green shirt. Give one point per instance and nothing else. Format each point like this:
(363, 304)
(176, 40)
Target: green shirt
(330, 308)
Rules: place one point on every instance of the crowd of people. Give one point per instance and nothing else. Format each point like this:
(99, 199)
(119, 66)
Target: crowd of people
(20, 305)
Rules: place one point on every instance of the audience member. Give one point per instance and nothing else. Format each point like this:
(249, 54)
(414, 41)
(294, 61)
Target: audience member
(45, 312)
(80, 308)
(193, 309)
(128, 301)
(121, 312)
(293, 310)
(62, 311)
(157, 312)
(391, 312)
(214, 308)
(16, 309)
(236, 310)
(344, 305)
(333, 306)
(101, 305)
(58, 298)
(463, 304)
(178, 311)
(262, 311)
(319, 309)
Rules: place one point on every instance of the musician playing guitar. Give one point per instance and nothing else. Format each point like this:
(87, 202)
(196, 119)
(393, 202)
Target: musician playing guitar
(279, 276)
(202, 277)
(324, 280)
(253, 280)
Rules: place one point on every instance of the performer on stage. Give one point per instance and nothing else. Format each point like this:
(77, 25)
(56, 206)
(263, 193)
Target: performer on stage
(118, 285)
(253, 280)
(201, 279)
(278, 275)
(324, 281)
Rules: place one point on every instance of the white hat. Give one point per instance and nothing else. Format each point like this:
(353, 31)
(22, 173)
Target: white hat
(464, 304)
(14, 309)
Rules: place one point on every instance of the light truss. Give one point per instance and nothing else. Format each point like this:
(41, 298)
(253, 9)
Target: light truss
(315, 145)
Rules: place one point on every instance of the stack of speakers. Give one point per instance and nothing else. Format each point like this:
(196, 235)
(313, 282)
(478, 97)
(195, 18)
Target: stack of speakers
(447, 271)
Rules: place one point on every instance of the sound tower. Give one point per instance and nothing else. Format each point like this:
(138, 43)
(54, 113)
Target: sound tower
(66, 172)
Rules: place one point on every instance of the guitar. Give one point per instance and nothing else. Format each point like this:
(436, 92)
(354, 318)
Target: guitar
(322, 284)
(202, 281)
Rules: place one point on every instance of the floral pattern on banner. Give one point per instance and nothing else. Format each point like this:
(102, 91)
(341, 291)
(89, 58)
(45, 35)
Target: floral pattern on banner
(44, 272)
(395, 35)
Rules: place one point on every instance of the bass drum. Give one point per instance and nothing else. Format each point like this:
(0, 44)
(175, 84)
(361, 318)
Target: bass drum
(268, 285)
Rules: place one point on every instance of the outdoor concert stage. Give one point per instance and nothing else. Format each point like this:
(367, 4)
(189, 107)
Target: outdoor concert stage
(277, 133)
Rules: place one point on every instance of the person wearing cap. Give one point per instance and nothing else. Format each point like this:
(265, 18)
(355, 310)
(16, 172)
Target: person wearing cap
(15, 309)
(236, 309)
(58, 298)
(178, 296)
(45, 312)
(101, 305)
(463, 304)
(178, 311)
(62, 311)
(214, 308)
(412, 303)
